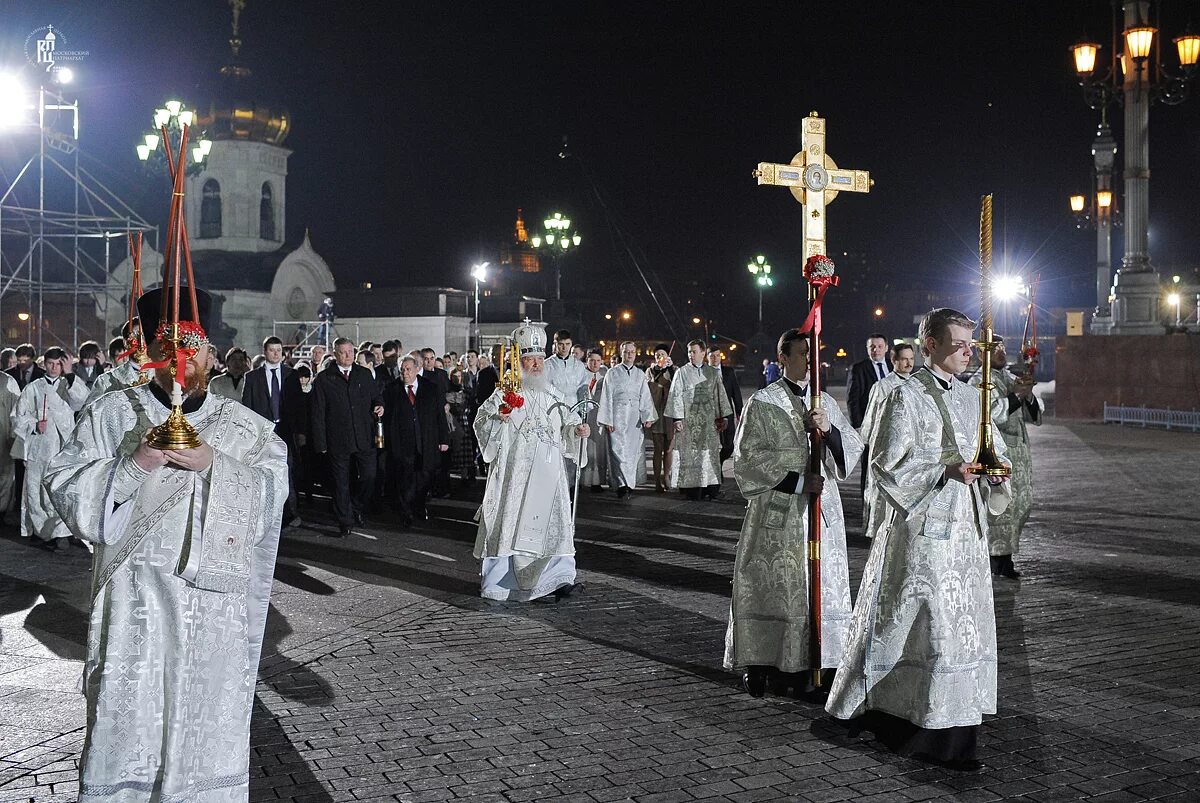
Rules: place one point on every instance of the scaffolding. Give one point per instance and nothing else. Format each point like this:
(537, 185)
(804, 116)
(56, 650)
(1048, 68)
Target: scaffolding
(57, 223)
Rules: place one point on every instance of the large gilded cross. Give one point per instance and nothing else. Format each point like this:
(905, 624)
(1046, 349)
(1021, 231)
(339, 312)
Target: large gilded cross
(815, 180)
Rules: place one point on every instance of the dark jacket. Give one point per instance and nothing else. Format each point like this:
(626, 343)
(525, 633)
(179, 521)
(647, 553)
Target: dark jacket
(413, 432)
(441, 380)
(15, 372)
(729, 380)
(485, 384)
(257, 395)
(342, 417)
(296, 408)
(858, 388)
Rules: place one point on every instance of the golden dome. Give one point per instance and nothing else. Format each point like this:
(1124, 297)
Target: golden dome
(239, 110)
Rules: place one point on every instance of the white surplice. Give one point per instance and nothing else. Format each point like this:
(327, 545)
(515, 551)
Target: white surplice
(183, 569)
(124, 375)
(879, 392)
(769, 614)
(56, 401)
(697, 397)
(526, 538)
(922, 640)
(10, 394)
(626, 405)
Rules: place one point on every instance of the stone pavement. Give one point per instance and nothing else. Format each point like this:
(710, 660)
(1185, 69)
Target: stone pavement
(386, 678)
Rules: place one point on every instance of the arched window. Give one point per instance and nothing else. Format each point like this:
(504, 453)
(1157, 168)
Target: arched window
(266, 214)
(210, 210)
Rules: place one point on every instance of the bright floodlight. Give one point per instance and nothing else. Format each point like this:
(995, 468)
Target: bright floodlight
(479, 272)
(12, 100)
(1008, 287)
(64, 75)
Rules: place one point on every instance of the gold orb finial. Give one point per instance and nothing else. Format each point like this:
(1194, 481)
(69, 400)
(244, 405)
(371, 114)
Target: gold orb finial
(813, 114)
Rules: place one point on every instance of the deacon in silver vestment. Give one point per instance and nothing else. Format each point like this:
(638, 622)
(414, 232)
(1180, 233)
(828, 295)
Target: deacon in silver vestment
(43, 419)
(769, 634)
(526, 538)
(128, 370)
(627, 412)
(920, 663)
(903, 360)
(699, 404)
(185, 551)
(1014, 408)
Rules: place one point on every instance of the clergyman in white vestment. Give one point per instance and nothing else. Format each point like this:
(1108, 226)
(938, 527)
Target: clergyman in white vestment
(526, 538)
(769, 638)
(185, 552)
(596, 472)
(699, 404)
(903, 359)
(43, 419)
(627, 412)
(10, 394)
(919, 668)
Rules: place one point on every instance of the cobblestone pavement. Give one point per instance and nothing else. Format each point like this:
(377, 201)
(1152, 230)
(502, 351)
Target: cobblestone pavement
(386, 678)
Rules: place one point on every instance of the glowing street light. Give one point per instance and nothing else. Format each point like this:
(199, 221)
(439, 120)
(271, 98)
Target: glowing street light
(479, 274)
(175, 116)
(1174, 300)
(879, 312)
(1006, 288)
(557, 241)
(760, 269)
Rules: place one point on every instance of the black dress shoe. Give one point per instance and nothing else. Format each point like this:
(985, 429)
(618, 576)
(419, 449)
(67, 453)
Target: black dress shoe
(597, 489)
(343, 531)
(1007, 569)
(359, 519)
(754, 680)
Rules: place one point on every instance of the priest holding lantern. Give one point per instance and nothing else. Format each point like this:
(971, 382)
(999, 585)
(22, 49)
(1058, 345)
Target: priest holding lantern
(181, 492)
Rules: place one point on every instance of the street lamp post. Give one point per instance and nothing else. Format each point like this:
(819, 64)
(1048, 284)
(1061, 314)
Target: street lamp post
(479, 274)
(558, 239)
(1135, 77)
(175, 116)
(1100, 213)
(760, 269)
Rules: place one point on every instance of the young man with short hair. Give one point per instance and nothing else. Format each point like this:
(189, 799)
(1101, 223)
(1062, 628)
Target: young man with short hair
(699, 405)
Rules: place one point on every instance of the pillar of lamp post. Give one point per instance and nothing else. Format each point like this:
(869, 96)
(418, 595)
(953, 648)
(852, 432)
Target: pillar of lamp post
(1104, 151)
(1137, 77)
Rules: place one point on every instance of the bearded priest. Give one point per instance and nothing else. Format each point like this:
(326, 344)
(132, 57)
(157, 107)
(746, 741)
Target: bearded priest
(185, 551)
(526, 536)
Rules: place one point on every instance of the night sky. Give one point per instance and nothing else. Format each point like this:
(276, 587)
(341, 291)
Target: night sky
(419, 130)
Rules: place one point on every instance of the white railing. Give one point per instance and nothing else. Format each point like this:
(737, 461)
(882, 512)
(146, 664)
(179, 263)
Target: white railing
(1152, 417)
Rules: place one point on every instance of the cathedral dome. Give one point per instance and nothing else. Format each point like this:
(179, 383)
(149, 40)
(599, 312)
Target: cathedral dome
(241, 109)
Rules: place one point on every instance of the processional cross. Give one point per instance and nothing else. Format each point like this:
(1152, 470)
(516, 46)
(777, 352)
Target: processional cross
(815, 180)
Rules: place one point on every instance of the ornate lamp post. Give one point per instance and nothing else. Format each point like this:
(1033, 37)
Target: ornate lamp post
(760, 269)
(1136, 76)
(1100, 212)
(174, 115)
(559, 238)
(479, 274)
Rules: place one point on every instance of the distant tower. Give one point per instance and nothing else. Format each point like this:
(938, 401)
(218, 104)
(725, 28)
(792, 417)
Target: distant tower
(237, 202)
(519, 254)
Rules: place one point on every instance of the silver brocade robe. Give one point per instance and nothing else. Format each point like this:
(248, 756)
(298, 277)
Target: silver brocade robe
(525, 467)
(1004, 530)
(596, 471)
(769, 622)
(879, 393)
(10, 394)
(699, 399)
(626, 406)
(183, 572)
(568, 376)
(922, 640)
(124, 375)
(57, 402)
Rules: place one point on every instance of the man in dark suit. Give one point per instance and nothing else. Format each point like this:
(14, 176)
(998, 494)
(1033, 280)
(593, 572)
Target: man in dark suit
(263, 392)
(734, 391)
(417, 437)
(25, 371)
(863, 376)
(345, 403)
(441, 379)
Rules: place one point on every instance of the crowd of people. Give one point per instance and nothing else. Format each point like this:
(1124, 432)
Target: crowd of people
(379, 430)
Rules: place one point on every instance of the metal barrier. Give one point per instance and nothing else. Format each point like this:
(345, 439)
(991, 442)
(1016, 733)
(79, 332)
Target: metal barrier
(1152, 417)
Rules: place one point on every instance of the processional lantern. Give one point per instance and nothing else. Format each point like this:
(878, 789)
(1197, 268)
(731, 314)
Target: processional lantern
(180, 335)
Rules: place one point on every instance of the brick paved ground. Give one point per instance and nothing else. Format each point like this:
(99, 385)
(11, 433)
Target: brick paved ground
(386, 678)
